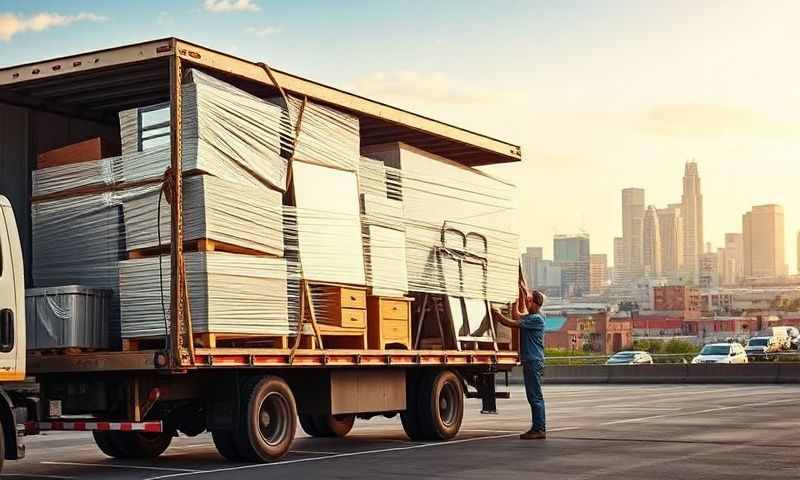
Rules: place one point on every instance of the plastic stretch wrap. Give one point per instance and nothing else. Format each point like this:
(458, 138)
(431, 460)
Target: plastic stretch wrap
(95, 173)
(326, 225)
(228, 293)
(384, 242)
(227, 133)
(70, 316)
(453, 216)
(144, 128)
(240, 215)
(327, 136)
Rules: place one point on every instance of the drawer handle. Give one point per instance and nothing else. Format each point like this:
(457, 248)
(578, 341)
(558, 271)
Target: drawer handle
(352, 298)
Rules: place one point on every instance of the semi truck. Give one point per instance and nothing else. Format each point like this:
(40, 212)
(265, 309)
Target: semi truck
(251, 399)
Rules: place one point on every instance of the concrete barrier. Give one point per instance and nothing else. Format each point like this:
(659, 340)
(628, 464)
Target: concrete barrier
(668, 373)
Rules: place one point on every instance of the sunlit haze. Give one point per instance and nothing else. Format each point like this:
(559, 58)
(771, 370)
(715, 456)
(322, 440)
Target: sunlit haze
(601, 95)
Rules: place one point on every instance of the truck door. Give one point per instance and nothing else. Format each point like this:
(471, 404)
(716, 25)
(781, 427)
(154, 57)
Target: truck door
(12, 288)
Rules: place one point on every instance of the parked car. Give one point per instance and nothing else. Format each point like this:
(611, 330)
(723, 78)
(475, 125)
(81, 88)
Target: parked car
(782, 336)
(794, 337)
(630, 358)
(721, 353)
(759, 348)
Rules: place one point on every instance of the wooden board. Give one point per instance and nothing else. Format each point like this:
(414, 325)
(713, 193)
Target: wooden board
(212, 340)
(201, 245)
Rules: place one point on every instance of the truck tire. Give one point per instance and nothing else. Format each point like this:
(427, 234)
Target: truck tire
(308, 425)
(268, 420)
(118, 444)
(410, 418)
(2, 446)
(440, 407)
(226, 445)
(327, 426)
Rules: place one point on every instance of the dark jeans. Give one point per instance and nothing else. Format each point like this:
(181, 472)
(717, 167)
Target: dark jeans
(532, 371)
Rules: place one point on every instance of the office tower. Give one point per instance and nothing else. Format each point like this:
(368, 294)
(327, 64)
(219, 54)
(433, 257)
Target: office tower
(670, 224)
(548, 276)
(708, 270)
(732, 262)
(571, 253)
(530, 258)
(619, 261)
(632, 229)
(763, 240)
(598, 272)
(651, 244)
(692, 211)
(798, 252)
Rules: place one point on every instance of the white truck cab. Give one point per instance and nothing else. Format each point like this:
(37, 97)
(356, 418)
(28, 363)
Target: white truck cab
(12, 333)
(12, 297)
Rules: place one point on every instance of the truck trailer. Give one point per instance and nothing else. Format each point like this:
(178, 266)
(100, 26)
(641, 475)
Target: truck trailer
(395, 353)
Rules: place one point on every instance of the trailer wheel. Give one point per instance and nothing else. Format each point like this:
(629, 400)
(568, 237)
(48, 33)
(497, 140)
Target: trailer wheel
(269, 419)
(132, 444)
(327, 425)
(308, 425)
(410, 417)
(440, 407)
(2, 446)
(226, 445)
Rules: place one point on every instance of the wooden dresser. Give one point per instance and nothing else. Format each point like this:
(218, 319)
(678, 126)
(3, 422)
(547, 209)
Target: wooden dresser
(342, 306)
(389, 322)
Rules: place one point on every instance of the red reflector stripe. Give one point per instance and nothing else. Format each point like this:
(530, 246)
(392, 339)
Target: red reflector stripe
(82, 425)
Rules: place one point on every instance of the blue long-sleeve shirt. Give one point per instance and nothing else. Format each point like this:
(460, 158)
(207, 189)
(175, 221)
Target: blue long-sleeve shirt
(532, 338)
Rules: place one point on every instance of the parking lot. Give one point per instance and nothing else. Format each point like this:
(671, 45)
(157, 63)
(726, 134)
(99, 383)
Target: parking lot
(596, 432)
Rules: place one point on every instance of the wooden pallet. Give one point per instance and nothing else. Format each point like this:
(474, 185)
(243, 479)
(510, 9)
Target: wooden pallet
(212, 340)
(201, 245)
(334, 337)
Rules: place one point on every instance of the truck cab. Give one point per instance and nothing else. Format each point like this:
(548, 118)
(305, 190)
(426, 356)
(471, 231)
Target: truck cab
(12, 331)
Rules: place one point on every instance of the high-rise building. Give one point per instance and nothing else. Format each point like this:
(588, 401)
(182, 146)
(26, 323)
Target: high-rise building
(732, 259)
(598, 272)
(632, 230)
(692, 211)
(651, 244)
(548, 276)
(798, 252)
(619, 261)
(670, 224)
(571, 253)
(763, 240)
(708, 272)
(530, 258)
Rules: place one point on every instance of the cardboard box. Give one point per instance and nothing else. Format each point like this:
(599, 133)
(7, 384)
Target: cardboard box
(88, 150)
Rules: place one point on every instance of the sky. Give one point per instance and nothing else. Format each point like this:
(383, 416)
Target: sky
(601, 95)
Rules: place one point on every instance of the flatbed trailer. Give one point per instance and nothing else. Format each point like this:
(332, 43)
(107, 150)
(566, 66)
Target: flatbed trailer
(249, 398)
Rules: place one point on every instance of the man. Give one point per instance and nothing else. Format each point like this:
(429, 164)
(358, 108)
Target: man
(525, 316)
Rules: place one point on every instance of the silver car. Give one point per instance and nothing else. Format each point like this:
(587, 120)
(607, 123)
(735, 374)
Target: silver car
(632, 357)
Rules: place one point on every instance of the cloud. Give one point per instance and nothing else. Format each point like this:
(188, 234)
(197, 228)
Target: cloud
(222, 6)
(711, 120)
(421, 87)
(12, 24)
(263, 31)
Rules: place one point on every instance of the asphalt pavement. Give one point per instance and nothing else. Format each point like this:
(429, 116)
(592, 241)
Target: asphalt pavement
(595, 432)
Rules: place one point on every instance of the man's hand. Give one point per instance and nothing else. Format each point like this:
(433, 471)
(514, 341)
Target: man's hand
(508, 322)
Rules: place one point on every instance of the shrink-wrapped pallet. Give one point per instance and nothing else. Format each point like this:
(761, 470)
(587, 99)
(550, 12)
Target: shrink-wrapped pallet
(226, 132)
(228, 293)
(74, 176)
(452, 213)
(245, 216)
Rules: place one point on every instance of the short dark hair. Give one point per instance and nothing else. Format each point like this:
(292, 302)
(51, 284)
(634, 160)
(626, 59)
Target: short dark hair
(538, 298)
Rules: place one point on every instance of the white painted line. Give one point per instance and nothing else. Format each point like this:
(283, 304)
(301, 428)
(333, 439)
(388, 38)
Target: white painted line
(349, 454)
(698, 412)
(115, 465)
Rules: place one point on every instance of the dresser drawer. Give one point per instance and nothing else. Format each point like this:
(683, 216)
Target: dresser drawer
(394, 309)
(394, 330)
(352, 298)
(354, 318)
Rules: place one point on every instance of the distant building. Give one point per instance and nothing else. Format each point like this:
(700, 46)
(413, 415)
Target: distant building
(571, 253)
(676, 298)
(632, 231)
(732, 261)
(692, 211)
(651, 250)
(670, 224)
(530, 258)
(619, 261)
(708, 273)
(586, 328)
(763, 241)
(798, 252)
(548, 277)
(598, 272)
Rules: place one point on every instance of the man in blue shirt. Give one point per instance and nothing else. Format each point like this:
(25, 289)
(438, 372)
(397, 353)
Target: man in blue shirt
(530, 322)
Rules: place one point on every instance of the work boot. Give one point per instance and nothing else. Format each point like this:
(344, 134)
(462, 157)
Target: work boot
(533, 435)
